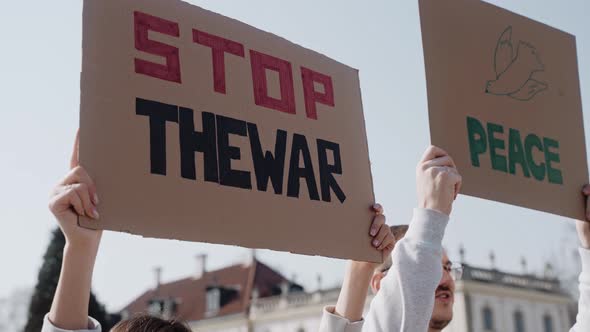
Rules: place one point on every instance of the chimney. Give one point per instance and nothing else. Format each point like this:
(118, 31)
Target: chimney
(462, 253)
(250, 258)
(201, 266)
(523, 265)
(493, 260)
(317, 295)
(158, 275)
(548, 273)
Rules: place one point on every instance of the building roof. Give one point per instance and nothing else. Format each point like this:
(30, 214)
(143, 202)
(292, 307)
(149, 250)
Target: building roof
(236, 282)
(493, 276)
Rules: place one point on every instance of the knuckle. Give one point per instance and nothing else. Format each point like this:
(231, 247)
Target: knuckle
(378, 221)
(81, 187)
(69, 188)
(78, 170)
(51, 205)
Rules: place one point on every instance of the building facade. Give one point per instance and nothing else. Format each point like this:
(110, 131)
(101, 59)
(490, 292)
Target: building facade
(254, 298)
(488, 300)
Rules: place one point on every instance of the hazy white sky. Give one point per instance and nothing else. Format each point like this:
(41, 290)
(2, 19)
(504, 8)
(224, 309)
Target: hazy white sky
(39, 96)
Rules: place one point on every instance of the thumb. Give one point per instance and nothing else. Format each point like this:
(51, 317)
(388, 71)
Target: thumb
(75, 159)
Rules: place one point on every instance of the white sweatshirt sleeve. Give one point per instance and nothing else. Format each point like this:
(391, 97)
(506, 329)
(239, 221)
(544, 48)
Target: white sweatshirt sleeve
(583, 317)
(406, 298)
(331, 322)
(93, 326)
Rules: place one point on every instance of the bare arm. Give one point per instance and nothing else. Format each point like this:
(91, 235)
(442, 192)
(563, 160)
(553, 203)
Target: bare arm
(348, 313)
(69, 309)
(355, 286)
(353, 293)
(74, 196)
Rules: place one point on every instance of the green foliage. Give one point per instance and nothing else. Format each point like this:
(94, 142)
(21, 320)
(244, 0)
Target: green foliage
(47, 283)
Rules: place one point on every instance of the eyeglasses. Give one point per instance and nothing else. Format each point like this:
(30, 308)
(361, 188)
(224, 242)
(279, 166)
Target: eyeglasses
(454, 269)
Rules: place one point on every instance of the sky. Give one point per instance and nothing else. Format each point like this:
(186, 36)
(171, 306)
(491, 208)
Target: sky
(39, 96)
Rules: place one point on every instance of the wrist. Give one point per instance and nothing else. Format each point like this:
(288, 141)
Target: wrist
(82, 248)
(362, 267)
(446, 210)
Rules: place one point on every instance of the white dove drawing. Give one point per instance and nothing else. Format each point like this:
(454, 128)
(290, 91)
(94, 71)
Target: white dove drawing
(514, 73)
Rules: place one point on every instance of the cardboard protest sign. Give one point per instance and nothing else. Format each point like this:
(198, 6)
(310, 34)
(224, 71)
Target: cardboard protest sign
(199, 127)
(504, 101)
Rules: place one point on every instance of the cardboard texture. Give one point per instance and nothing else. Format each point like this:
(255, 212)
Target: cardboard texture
(179, 107)
(504, 101)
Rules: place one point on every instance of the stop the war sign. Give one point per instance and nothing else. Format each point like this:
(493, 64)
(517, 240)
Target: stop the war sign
(199, 127)
(504, 101)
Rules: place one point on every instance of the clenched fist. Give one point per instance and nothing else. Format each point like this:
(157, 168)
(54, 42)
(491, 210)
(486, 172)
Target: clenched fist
(438, 181)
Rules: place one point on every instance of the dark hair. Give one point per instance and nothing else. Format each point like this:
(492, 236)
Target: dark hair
(399, 231)
(146, 323)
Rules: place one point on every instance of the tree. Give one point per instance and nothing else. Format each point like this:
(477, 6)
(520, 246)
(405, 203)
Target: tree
(47, 283)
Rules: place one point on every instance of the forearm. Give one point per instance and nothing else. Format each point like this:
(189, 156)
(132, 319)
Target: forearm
(353, 293)
(69, 309)
(406, 298)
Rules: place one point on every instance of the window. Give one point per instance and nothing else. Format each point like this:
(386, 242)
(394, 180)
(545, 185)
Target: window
(488, 319)
(518, 321)
(155, 307)
(164, 308)
(213, 300)
(547, 323)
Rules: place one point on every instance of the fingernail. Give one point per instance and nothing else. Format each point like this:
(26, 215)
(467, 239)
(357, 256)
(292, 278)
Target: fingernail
(95, 214)
(375, 243)
(373, 231)
(95, 198)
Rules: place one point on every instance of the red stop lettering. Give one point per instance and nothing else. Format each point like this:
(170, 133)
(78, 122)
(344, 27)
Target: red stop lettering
(312, 96)
(260, 63)
(219, 46)
(171, 70)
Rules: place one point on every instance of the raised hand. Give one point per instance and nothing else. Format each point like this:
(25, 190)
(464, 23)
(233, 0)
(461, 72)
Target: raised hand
(75, 196)
(381, 236)
(438, 181)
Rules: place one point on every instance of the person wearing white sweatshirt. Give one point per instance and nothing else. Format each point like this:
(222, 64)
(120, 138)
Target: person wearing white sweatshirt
(404, 298)
(416, 292)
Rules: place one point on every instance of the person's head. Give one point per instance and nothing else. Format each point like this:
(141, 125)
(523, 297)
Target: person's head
(145, 323)
(444, 297)
(444, 294)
